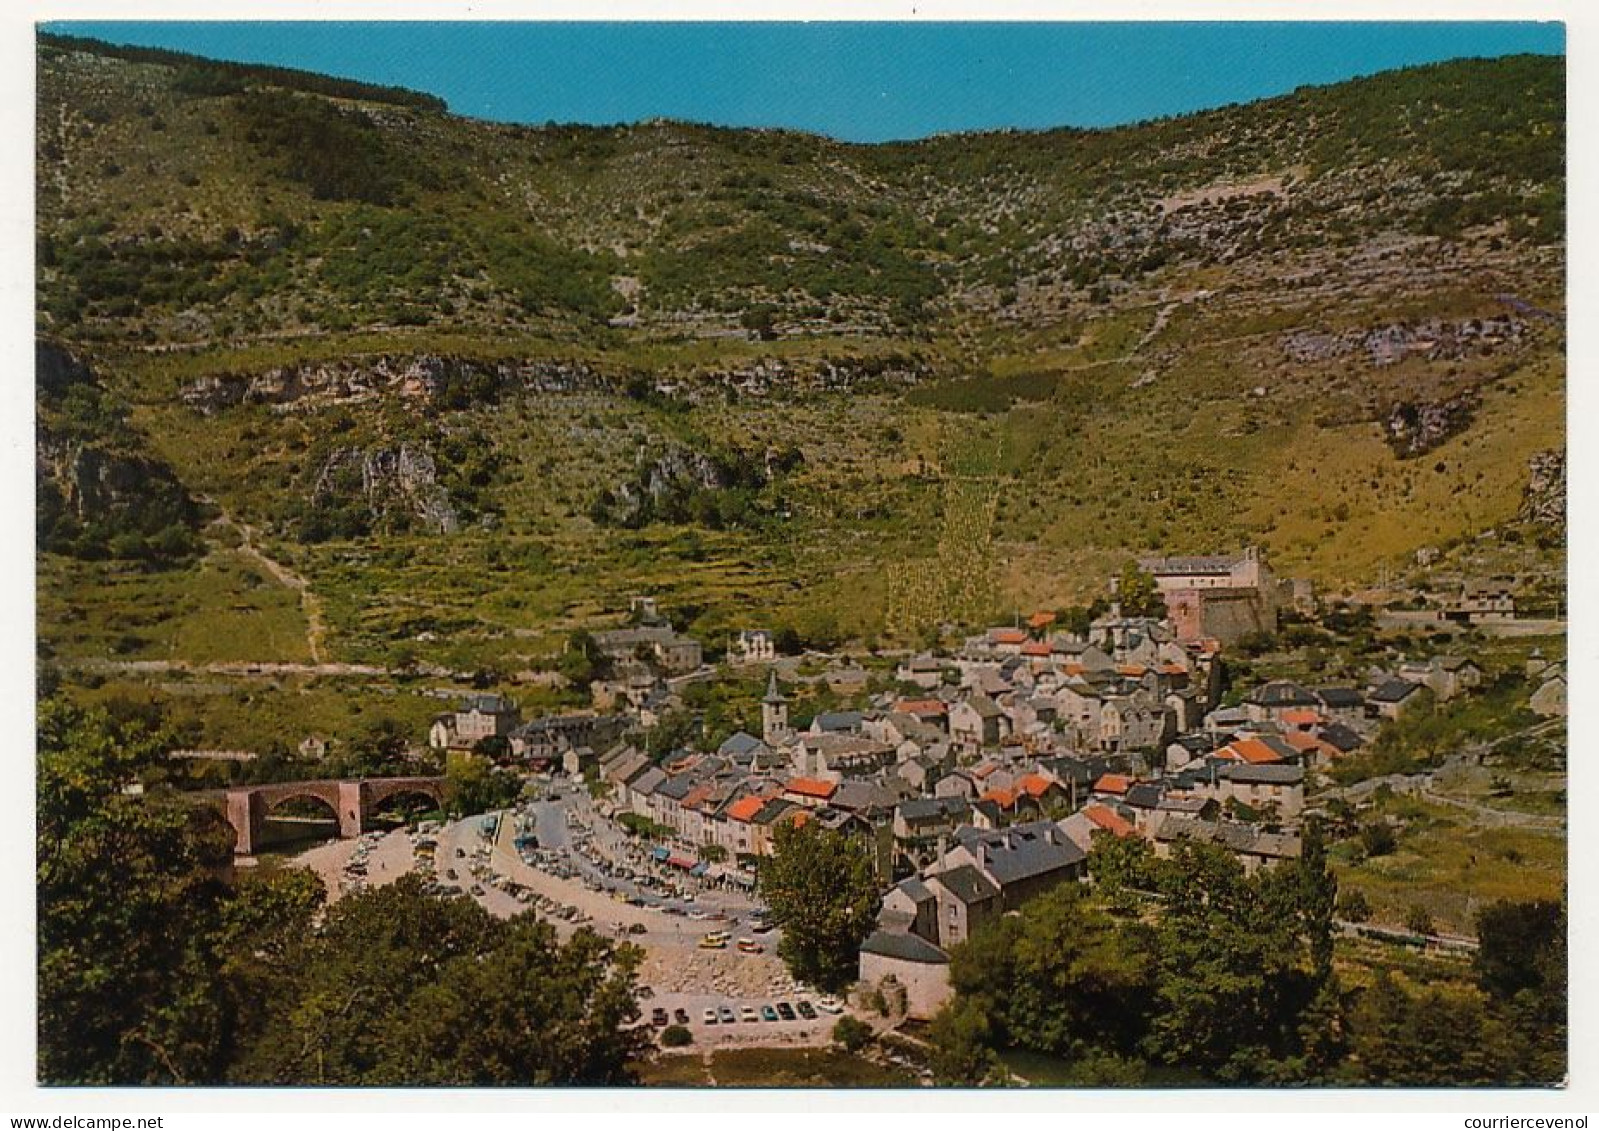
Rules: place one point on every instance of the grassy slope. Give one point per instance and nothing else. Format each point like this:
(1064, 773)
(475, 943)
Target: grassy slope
(1107, 427)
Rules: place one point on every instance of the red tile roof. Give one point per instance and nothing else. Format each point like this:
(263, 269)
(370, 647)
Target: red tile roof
(1041, 619)
(1113, 783)
(1035, 648)
(1109, 820)
(745, 808)
(1305, 743)
(1004, 798)
(1035, 785)
(1301, 717)
(1006, 635)
(1251, 750)
(1133, 670)
(922, 707)
(811, 787)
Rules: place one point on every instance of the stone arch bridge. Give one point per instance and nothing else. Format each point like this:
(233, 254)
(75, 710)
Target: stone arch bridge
(352, 802)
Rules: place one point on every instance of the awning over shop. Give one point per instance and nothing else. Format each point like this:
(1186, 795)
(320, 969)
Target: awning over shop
(660, 852)
(699, 869)
(677, 861)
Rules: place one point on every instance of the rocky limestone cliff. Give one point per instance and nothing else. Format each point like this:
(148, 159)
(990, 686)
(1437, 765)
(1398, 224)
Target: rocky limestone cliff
(388, 480)
(1434, 339)
(97, 491)
(1543, 501)
(1416, 428)
(451, 381)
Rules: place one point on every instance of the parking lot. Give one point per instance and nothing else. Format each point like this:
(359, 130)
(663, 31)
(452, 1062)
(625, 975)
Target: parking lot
(730, 995)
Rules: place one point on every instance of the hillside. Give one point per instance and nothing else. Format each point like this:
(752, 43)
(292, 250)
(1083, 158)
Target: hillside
(477, 383)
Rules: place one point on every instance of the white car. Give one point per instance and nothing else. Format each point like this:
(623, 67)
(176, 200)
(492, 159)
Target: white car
(709, 1017)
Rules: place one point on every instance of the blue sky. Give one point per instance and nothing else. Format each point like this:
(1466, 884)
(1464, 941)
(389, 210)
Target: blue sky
(859, 82)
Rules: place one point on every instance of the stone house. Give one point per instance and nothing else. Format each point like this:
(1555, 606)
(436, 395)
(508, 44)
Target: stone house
(1394, 698)
(977, 722)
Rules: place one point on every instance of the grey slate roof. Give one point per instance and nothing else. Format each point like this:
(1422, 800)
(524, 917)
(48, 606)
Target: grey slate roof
(1281, 693)
(1339, 697)
(1336, 734)
(932, 808)
(648, 781)
(739, 743)
(1021, 851)
(1393, 691)
(838, 722)
(1265, 774)
(1144, 795)
(486, 704)
(906, 947)
(967, 884)
(915, 889)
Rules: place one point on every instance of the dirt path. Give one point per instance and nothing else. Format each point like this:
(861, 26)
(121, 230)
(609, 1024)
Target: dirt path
(310, 604)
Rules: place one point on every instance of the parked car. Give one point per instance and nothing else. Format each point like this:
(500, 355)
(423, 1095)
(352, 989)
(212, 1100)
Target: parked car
(768, 1013)
(658, 1017)
(806, 1010)
(680, 1015)
(750, 1014)
(785, 1011)
(710, 1017)
(750, 946)
(727, 1015)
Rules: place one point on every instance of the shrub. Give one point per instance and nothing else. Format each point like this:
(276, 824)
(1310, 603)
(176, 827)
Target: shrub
(852, 1035)
(1418, 920)
(676, 1036)
(1378, 839)
(1354, 907)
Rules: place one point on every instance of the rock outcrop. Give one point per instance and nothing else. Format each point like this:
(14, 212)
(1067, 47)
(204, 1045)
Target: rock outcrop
(1543, 501)
(451, 382)
(387, 481)
(1416, 428)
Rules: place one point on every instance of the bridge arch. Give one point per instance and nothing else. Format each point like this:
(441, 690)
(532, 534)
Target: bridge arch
(352, 802)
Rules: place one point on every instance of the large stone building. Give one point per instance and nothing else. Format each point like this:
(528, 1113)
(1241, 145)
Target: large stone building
(1223, 598)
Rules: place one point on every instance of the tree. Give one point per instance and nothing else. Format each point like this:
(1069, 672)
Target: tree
(399, 987)
(961, 1035)
(676, 1036)
(1234, 968)
(822, 890)
(1515, 942)
(1378, 839)
(130, 900)
(1062, 977)
(1354, 906)
(1119, 863)
(475, 785)
(852, 1035)
(1430, 1039)
(1138, 594)
(582, 662)
(378, 751)
(674, 729)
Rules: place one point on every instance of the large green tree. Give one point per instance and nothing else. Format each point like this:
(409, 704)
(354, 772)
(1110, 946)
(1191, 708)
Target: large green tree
(1063, 977)
(399, 987)
(1137, 593)
(130, 895)
(476, 785)
(823, 890)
